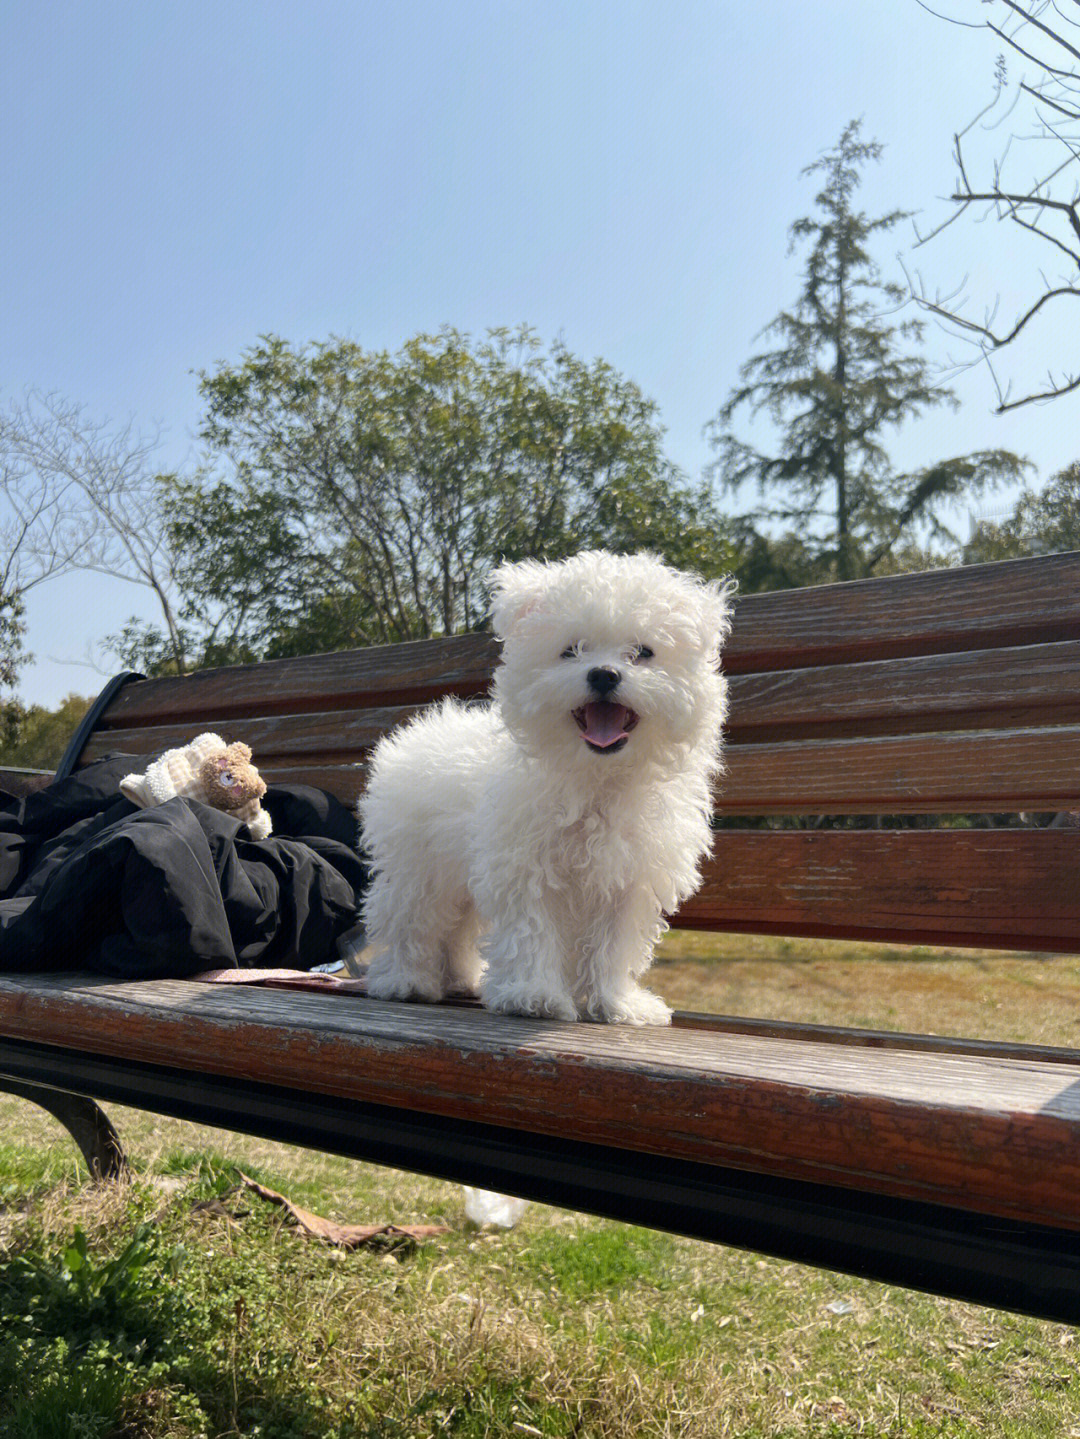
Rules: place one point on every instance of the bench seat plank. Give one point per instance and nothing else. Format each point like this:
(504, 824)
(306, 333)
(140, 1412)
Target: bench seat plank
(997, 1135)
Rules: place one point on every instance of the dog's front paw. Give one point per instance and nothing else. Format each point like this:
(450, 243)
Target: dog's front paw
(395, 982)
(632, 1005)
(528, 1001)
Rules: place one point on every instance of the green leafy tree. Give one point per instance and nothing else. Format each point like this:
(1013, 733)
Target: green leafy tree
(839, 380)
(354, 497)
(12, 656)
(12, 632)
(1042, 523)
(39, 736)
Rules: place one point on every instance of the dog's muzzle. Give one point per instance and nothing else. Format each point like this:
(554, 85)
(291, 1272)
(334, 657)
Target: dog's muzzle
(605, 726)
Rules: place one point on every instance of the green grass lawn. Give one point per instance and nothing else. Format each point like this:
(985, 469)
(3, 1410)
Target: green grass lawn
(179, 1306)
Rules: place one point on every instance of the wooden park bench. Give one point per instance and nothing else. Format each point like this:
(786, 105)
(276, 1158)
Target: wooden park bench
(943, 1164)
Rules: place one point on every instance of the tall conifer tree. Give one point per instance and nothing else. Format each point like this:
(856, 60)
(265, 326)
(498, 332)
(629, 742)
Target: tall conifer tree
(842, 375)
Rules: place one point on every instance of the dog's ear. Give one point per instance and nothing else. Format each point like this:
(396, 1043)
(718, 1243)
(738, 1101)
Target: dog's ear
(716, 606)
(517, 590)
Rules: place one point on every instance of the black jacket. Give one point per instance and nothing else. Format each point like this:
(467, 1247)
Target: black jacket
(87, 881)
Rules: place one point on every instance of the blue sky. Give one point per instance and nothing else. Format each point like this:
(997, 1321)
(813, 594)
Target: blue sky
(178, 179)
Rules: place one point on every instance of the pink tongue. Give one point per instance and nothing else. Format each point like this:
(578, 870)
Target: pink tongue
(605, 723)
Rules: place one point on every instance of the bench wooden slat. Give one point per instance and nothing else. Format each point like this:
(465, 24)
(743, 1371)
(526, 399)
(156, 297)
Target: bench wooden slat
(384, 675)
(1011, 889)
(318, 738)
(974, 768)
(976, 771)
(965, 772)
(1029, 686)
(1014, 602)
(344, 781)
(999, 1135)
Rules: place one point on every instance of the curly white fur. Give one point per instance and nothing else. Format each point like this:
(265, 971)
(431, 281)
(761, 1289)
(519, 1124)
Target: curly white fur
(531, 847)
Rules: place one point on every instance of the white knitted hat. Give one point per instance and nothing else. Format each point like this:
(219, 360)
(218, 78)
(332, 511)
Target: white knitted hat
(178, 772)
(175, 773)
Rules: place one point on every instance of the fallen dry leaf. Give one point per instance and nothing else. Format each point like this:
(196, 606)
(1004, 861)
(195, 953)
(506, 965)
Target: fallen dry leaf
(348, 1236)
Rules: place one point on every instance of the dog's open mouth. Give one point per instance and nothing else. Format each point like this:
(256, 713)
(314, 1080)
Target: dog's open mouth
(605, 726)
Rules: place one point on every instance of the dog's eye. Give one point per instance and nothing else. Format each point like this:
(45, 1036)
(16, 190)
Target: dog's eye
(640, 652)
(569, 653)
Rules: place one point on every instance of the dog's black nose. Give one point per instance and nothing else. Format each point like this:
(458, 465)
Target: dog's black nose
(603, 679)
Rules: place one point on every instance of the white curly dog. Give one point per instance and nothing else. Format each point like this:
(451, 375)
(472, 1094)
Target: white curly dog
(530, 847)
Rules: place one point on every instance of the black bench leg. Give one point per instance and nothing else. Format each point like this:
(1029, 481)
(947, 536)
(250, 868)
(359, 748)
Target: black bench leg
(88, 1125)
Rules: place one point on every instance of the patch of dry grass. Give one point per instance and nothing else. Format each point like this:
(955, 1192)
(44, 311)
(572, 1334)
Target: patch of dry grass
(974, 993)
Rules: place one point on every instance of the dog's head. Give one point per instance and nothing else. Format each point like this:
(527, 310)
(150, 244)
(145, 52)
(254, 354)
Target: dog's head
(609, 655)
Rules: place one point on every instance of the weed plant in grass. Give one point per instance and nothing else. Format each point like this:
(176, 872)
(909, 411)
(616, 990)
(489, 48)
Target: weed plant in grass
(177, 1306)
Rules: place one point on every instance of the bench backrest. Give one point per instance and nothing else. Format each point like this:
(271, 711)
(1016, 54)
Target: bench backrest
(949, 692)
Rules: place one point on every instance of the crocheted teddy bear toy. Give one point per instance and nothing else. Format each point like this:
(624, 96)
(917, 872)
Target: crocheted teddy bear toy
(207, 769)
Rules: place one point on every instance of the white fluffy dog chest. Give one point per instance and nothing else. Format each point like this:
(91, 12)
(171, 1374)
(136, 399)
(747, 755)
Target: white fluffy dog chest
(580, 845)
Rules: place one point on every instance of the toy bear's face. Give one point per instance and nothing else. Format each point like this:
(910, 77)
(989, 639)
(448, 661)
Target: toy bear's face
(230, 779)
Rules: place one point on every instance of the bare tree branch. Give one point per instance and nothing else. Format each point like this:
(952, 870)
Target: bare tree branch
(95, 503)
(1043, 203)
(1030, 17)
(1042, 99)
(1051, 391)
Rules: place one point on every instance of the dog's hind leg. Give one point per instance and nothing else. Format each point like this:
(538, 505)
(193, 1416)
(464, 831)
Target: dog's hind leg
(463, 963)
